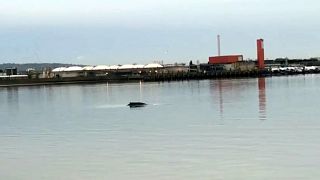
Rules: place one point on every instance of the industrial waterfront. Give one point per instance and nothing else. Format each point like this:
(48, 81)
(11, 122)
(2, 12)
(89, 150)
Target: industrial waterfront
(257, 128)
(159, 90)
(220, 66)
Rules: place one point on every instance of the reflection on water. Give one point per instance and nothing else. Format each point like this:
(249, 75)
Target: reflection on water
(262, 98)
(232, 91)
(232, 96)
(140, 91)
(13, 97)
(220, 98)
(207, 129)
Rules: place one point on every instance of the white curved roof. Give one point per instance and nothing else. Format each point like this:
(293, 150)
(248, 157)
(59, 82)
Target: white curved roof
(59, 69)
(138, 66)
(101, 67)
(155, 65)
(126, 66)
(88, 68)
(73, 68)
(310, 68)
(114, 67)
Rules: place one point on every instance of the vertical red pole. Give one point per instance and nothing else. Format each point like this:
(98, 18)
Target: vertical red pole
(260, 52)
(218, 39)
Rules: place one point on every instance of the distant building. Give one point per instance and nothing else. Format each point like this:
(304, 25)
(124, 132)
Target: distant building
(11, 71)
(229, 63)
(105, 71)
(2, 73)
(70, 72)
(230, 59)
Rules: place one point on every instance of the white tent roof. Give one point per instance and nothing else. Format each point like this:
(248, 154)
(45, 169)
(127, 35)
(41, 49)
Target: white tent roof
(88, 68)
(153, 66)
(59, 69)
(126, 66)
(310, 68)
(114, 67)
(73, 68)
(101, 67)
(138, 66)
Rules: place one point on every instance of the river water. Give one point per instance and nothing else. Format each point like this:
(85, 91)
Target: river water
(210, 129)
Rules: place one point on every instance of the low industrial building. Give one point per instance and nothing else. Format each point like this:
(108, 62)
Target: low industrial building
(2, 73)
(236, 62)
(68, 72)
(11, 71)
(229, 63)
(104, 70)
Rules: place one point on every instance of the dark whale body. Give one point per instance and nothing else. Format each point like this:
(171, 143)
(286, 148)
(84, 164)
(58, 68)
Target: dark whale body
(136, 104)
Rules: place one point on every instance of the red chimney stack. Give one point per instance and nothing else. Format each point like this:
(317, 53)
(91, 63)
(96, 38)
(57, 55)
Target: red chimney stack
(260, 52)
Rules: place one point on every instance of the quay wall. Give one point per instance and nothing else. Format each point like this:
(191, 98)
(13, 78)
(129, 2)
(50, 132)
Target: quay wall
(151, 76)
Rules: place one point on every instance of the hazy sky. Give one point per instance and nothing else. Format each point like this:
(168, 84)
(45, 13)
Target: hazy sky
(143, 31)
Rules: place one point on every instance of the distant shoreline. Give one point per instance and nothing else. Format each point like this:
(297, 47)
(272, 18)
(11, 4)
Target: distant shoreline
(159, 78)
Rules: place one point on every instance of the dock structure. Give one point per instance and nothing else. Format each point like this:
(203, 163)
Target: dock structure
(197, 72)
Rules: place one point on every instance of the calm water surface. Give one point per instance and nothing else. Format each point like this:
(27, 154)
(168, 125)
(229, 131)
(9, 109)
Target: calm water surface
(211, 129)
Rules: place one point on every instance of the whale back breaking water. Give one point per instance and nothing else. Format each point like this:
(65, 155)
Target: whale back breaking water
(136, 104)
